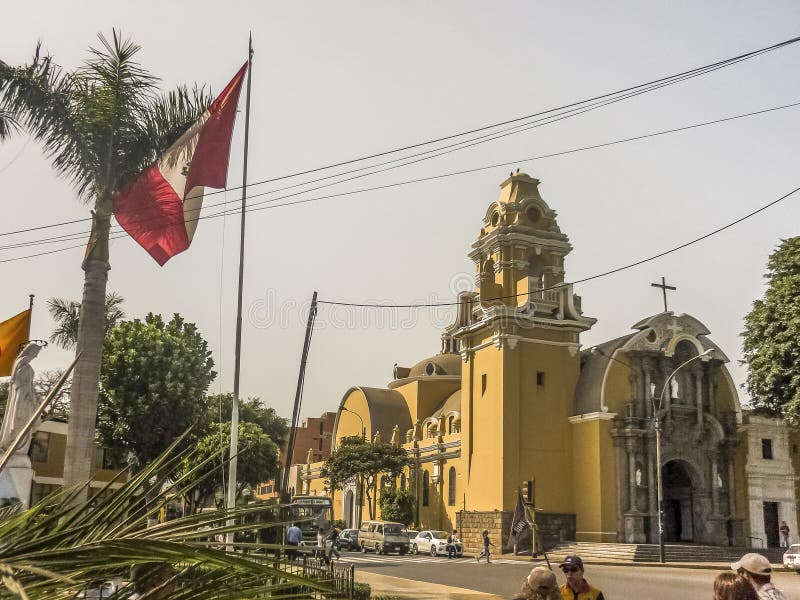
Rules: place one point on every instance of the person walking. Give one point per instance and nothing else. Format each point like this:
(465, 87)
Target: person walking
(451, 545)
(757, 570)
(331, 548)
(293, 537)
(784, 531)
(730, 586)
(576, 587)
(486, 544)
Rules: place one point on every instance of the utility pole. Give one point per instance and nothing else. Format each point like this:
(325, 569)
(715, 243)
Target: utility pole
(298, 396)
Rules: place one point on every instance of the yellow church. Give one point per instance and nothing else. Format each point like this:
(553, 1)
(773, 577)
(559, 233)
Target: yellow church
(512, 397)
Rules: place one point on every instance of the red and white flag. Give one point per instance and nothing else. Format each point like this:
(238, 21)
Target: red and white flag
(161, 207)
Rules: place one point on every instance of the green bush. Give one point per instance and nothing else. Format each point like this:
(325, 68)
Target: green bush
(397, 505)
(362, 591)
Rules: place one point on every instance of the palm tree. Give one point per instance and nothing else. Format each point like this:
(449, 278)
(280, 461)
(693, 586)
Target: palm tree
(66, 314)
(101, 125)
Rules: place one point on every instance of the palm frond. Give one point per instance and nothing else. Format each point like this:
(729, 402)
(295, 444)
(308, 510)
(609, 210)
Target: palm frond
(66, 314)
(58, 548)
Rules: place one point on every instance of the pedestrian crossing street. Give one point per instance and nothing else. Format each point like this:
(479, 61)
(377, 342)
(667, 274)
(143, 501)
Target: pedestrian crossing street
(358, 559)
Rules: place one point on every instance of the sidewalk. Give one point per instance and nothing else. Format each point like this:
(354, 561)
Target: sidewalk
(716, 566)
(386, 585)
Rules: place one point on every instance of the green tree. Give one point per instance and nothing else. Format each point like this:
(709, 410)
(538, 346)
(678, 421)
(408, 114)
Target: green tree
(258, 461)
(356, 459)
(101, 125)
(772, 337)
(66, 314)
(251, 410)
(154, 379)
(397, 505)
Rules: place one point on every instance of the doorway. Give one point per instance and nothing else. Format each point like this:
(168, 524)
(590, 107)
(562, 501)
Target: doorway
(348, 508)
(771, 524)
(678, 503)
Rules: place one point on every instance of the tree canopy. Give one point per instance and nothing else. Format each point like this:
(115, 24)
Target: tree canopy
(356, 459)
(397, 505)
(257, 461)
(251, 410)
(154, 377)
(772, 337)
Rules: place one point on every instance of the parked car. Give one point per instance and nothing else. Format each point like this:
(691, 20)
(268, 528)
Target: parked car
(348, 540)
(383, 537)
(434, 543)
(411, 533)
(791, 558)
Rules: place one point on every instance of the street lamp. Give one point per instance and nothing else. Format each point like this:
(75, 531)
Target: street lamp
(657, 425)
(363, 428)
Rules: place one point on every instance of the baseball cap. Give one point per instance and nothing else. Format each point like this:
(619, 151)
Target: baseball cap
(573, 560)
(753, 563)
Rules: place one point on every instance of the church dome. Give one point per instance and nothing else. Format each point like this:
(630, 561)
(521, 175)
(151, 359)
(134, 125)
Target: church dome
(441, 364)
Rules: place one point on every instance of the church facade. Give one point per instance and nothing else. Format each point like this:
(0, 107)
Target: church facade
(512, 397)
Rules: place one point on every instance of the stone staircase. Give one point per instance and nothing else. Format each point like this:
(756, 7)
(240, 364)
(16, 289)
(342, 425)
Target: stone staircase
(675, 553)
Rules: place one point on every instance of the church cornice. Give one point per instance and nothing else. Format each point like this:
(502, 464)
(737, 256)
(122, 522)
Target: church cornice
(503, 237)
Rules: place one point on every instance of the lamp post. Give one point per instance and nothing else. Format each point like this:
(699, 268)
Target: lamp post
(657, 426)
(363, 428)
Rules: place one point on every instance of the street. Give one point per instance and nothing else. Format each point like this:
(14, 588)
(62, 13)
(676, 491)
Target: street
(504, 576)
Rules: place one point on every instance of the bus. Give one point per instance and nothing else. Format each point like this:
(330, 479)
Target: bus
(310, 513)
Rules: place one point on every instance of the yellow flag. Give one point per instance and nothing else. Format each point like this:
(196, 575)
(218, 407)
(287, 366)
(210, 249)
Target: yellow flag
(13, 333)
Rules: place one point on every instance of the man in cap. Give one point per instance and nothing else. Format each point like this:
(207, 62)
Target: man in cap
(576, 587)
(758, 571)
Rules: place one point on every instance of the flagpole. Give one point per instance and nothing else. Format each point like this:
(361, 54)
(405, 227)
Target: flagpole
(234, 447)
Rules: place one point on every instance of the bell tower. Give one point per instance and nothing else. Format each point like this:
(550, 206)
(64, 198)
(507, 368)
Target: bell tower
(518, 336)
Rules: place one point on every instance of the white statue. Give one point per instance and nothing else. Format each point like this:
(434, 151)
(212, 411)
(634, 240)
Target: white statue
(21, 402)
(675, 389)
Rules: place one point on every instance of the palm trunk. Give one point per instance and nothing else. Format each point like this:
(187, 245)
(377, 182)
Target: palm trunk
(91, 334)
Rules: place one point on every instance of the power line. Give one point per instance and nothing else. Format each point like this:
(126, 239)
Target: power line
(584, 279)
(605, 98)
(257, 206)
(260, 205)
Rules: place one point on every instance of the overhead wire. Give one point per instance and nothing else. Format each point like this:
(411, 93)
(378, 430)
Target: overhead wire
(258, 206)
(653, 84)
(583, 279)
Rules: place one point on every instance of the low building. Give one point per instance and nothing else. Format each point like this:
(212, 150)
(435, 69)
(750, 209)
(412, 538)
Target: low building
(314, 436)
(47, 452)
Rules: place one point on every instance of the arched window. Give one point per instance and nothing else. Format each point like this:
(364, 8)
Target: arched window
(450, 422)
(402, 481)
(451, 486)
(426, 484)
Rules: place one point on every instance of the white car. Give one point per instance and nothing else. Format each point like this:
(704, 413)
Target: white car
(434, 543)
(791, 558)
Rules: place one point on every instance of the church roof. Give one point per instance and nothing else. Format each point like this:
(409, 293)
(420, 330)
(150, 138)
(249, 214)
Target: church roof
(441, 364)
(593, 369)
(659, 333)
(451, 404)
(387, 408)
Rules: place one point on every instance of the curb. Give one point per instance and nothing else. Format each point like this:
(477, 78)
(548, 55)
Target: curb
(776, 568)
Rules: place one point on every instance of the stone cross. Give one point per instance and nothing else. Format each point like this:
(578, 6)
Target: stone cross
(664, 287)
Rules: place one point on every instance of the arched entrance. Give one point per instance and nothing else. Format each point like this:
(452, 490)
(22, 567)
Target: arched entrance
(678, 502)
(347, 513)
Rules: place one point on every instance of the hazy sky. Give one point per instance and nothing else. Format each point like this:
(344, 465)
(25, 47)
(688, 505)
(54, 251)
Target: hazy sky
(338, 80)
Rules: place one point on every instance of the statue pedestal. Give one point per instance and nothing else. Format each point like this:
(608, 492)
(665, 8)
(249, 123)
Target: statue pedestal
(16, 479)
